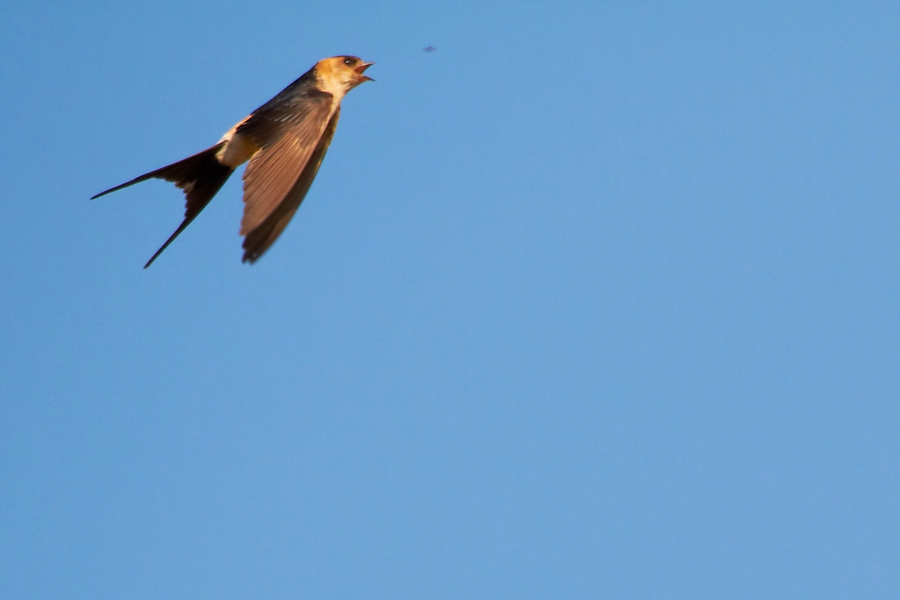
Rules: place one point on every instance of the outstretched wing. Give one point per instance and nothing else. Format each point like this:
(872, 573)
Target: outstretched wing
(287, 130)
(264, 235)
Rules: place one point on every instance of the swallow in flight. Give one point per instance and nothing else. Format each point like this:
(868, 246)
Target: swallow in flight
(285, 141)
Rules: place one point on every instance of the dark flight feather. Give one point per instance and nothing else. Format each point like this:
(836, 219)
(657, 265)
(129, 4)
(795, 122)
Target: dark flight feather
(288, 135)
(264, 235)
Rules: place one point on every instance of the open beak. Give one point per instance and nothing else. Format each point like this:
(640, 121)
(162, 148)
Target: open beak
(360, 70)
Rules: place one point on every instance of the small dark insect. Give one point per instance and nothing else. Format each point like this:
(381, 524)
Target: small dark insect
(429, 49)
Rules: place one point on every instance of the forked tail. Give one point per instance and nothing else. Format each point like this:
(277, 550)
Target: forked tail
(200, 176)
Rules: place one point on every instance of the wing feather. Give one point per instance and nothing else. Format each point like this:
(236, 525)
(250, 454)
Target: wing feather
(264, 235)
(288, 135)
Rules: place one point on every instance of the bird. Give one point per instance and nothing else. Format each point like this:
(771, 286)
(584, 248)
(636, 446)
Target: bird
(284, 141)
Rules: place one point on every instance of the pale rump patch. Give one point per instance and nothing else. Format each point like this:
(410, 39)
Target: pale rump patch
(238, 149)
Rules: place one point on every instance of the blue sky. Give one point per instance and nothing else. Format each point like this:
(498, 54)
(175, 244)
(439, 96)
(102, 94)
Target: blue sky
(592, 301)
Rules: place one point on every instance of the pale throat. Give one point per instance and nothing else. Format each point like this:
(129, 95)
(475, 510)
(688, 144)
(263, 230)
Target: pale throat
(333, 84)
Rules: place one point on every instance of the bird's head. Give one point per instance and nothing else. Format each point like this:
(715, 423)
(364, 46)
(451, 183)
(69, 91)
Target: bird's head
(340, 74)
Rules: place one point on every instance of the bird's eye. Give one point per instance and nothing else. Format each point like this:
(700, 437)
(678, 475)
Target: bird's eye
(349, 61)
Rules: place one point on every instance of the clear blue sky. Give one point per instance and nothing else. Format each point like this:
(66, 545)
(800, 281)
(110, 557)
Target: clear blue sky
(590, 302)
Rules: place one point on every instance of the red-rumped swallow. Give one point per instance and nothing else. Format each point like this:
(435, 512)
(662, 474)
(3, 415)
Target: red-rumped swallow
(285, 141)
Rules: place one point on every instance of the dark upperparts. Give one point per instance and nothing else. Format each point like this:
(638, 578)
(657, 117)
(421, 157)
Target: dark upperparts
(302, 86)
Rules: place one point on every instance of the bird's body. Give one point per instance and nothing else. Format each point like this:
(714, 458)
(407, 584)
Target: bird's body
(284, 141)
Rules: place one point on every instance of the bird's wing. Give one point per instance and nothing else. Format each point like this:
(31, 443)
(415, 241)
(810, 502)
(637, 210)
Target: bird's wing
(264, 235)
(288, 131)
